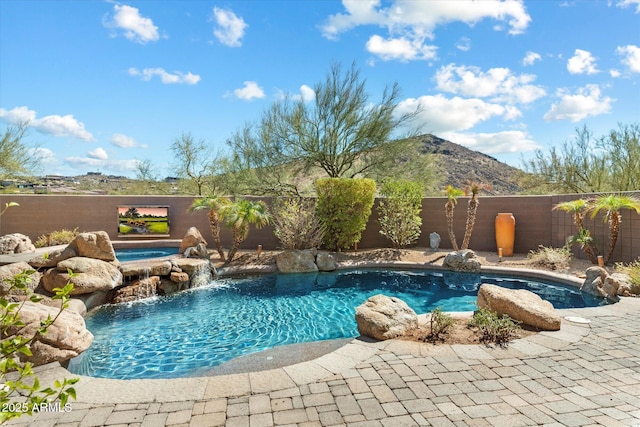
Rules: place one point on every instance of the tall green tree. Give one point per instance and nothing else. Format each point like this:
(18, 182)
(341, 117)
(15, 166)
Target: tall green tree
(589, 164)
(341, 132)
(583, 237)
(610, 205)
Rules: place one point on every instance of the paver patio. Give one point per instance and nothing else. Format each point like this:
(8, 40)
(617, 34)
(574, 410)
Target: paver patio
(582, 375)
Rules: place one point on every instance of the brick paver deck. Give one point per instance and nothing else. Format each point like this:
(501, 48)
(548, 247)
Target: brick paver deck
(582, 375)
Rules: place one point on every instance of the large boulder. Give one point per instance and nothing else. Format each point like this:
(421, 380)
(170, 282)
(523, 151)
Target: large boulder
(146, 268)
(66, 338)
(191, 238)
(89, 275)
(464, 260)
(521, 305)
(326, 262)
(9, 271)
(95, 245)
(382, 317)
(15, 243)
(297, 261)
(598, 282)
(51, 259)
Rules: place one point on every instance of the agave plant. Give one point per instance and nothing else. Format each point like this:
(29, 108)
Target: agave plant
(610, 206)
(452, 199)
(240, 216)
(472, 209)
(583, 236)
(215, 205)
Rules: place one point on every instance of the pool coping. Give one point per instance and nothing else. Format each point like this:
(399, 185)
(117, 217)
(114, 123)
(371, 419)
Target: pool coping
(344, 359)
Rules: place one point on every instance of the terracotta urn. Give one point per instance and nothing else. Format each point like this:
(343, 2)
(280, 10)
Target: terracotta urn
(505, 233)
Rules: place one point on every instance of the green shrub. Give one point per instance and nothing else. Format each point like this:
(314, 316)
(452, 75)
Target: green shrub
(633, 271)
(494, 328)
(296, 223)
(439, 323)
(57, 237)
(399, 211)
(344, 206)
(551, 258)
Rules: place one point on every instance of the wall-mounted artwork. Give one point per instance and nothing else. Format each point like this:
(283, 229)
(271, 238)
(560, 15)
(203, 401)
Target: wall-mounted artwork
(143, 220)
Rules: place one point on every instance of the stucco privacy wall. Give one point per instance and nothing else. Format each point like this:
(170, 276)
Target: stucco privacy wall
(536, 222)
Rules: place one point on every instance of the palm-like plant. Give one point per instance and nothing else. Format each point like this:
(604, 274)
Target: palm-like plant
(583, 237)
(610, 206)
(452, 198)
(472, 208)
(240, 216)
(215, 205)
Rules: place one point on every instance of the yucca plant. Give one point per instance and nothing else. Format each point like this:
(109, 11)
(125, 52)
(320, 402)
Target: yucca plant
(472, 208)
(610, 206)
(239, 216)
(452, 199)
(215, 205)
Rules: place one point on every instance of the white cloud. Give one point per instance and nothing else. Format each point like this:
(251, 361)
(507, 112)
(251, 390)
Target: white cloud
(625, 3)
(500, 84)
(401, 49)
(136, 28)
(307, 94)
(249, 91)
(124, 141)
(167, 78)
(630, 56)
(587, 101)
(53, 125)
(92, 163)
(512, 141)
(582, 62)
(229, 28)
(530, 58)
(98, 153)
(410, 22)
(441, 114)
(614, 73)
(464, 44)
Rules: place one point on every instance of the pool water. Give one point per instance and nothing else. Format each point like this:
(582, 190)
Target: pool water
(138, 254)
(188, 333)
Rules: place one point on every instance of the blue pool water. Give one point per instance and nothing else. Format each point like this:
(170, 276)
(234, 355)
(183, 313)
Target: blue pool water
(188, 333)
(137, 254)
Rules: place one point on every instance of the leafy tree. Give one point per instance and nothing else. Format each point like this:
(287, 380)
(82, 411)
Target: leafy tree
(344, 206)
(216, 206)
(474, 188)
(610, 206)
(194, 161)
(589, 164)
(16, 158)
(21, 392)
(239, 216)
(452, 199)
(399, 211)
(342, 132)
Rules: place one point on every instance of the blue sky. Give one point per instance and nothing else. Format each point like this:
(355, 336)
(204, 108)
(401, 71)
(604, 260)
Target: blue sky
(105, 84)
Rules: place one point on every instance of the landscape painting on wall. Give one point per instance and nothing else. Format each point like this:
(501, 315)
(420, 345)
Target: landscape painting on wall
(143, 220)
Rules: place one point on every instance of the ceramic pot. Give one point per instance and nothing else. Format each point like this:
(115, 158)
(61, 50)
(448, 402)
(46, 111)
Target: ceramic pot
(505, 233)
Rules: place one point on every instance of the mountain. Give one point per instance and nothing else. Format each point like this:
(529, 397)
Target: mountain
(459, 164)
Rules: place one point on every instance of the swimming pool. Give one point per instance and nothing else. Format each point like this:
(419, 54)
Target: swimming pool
(136, 254)
(191, 332)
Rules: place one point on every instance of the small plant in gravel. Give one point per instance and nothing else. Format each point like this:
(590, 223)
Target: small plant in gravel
(439, 324)
(57, 237)
(551, 258)
(494, 328)
(633, 271)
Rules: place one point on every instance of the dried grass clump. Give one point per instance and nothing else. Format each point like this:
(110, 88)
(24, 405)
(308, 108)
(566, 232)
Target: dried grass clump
(551, 258)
